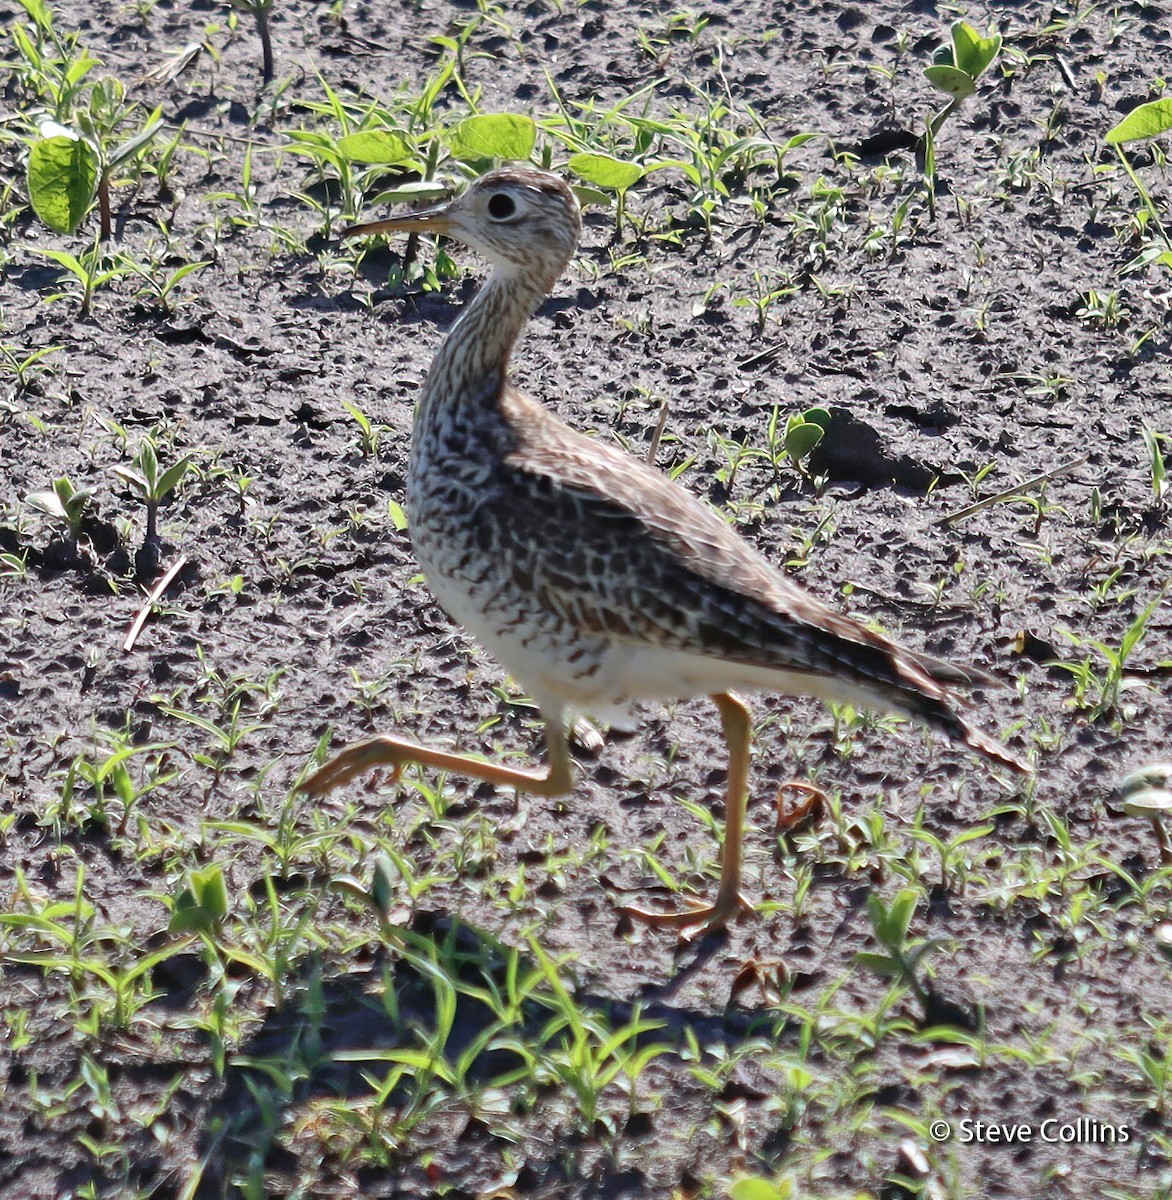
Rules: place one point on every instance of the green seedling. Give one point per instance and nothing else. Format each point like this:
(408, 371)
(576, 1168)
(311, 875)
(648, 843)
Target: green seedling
(261, 11)
(201, 905)
(86, 274)
(1103, 310)
(94, 779)
(159, 288)
(362, 144)
(955, 69)
(152, 485)
(957, 66)
(368, 433)
(1147, 121)
(766, 293)
(612, 175)
(69, 167)
(64, 503)
(1100, 692)
(902, 961)
(1157, 464)
(51, 68)
(804, 433)
(14, 361)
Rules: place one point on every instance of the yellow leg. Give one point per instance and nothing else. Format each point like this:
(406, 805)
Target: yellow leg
(737, 725)
(390, 752)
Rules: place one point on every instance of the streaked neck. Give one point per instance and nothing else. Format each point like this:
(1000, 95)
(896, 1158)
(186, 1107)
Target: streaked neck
(472, 362)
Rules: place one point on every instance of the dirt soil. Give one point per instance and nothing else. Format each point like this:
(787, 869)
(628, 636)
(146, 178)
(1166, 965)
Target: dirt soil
(964, 345)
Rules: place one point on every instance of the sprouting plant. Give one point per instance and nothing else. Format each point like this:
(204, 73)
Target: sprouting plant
(201, 905)
(69, 166)
(93, 779)
(955, 69)
(86, 274)
(357, 148)
(798, 439)
(368, 433)
(1104, 310)
(158, 287)
(63, 502)
(953, 865)
(1098, 690)
(1157, 464)
(902, 961)
(260, 10)
(152, 485)
(612, 175)
(15, 361)
(766, 293)
(1146, 121)
(958, 65)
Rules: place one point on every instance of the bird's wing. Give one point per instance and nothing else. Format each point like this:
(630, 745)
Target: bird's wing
(648, 562)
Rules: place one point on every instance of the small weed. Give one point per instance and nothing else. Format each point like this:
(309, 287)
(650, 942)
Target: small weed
(85, 275)
(64, 503)
(153, 485)
(902, 961)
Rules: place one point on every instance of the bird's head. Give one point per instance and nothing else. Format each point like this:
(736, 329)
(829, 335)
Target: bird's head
(524, 221)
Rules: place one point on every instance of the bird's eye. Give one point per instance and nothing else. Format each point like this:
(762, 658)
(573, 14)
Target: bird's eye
(501, 206)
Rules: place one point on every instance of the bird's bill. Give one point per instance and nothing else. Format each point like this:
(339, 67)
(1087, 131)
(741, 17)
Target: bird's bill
(432, 220)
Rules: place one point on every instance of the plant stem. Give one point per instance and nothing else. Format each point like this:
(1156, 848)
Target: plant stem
(106, 226)
(266, 41)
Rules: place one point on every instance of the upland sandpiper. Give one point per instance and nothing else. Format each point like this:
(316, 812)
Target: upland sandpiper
(594, 579)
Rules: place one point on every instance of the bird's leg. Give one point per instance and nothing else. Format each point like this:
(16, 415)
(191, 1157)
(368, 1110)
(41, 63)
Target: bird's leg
(737, 725)
(390, 752)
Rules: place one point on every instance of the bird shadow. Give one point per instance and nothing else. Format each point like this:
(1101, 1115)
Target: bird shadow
(484, 1012)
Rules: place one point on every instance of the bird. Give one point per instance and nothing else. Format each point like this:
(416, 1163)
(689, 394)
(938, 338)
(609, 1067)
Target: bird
(595, 580)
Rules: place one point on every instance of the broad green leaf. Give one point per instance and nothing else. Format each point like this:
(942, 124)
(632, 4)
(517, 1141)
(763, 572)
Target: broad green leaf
(605, 171)
(817, 416)
(493, 135)
(62, 176)
(972, 53)
(374, 146)
(1147, 121)
(951, 81)
(801, 437)
(678, 164)
(588, 195)
(749, 1188)
(202, 905)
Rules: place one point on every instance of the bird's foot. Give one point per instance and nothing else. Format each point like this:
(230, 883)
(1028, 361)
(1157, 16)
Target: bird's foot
(354, 761)
(699, 919)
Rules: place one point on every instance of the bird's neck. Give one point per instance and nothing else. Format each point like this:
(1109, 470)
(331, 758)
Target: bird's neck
(471, 364)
